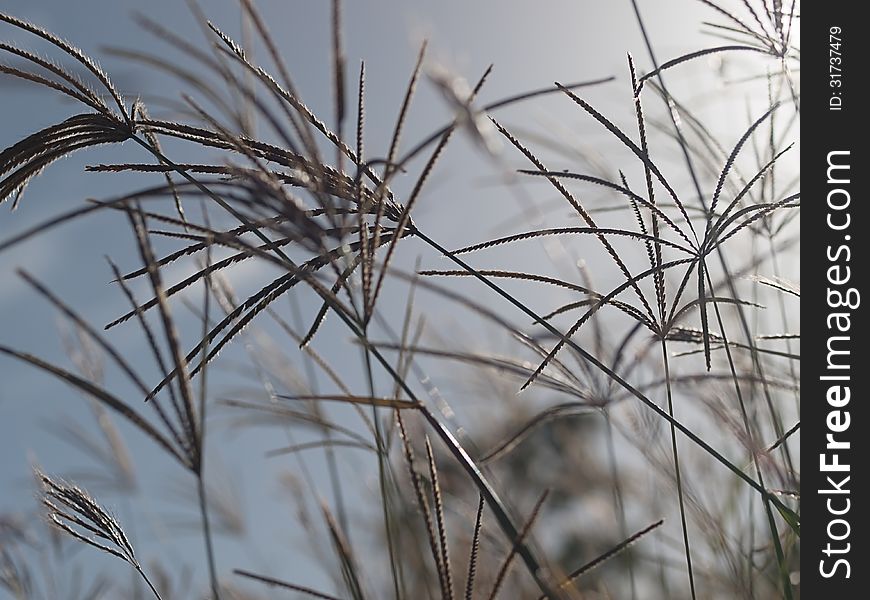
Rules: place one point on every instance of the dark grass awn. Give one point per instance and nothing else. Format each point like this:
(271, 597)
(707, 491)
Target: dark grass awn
(75, 512)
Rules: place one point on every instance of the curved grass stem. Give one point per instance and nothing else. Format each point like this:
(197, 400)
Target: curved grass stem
(149, 583)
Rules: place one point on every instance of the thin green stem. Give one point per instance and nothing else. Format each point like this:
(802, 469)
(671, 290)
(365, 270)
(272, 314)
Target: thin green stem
(148, 583)
(382, 471)
(207, 535)
(677, 473)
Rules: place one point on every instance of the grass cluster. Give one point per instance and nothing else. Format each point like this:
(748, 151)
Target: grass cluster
(671, 392)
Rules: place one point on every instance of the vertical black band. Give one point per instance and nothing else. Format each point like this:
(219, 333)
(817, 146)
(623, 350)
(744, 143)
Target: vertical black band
(834, 430)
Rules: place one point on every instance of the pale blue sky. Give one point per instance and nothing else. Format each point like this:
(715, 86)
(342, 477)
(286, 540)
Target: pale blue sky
(531, 44)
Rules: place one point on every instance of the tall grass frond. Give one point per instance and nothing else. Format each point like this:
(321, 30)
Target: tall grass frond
(74, 511)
